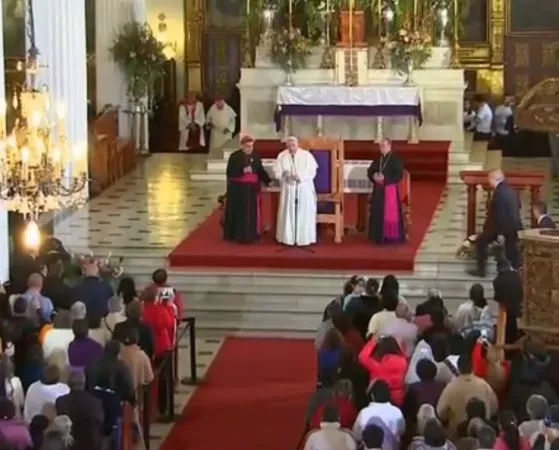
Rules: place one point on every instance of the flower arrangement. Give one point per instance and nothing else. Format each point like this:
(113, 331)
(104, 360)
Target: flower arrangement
(140, 55)
(410, 50)
(110, 268)
(289, 49)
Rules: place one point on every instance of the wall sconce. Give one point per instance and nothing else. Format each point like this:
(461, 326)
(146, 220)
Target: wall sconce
(170, 50)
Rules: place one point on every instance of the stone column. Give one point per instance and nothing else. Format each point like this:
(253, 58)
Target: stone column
(4, 237)
(60, 38)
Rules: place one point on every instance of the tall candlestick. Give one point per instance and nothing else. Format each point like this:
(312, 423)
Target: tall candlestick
(415, 6)
(290, 16)
(351, 27)
(248, 9)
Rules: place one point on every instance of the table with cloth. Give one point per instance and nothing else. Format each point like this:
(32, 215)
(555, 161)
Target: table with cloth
(375, 101)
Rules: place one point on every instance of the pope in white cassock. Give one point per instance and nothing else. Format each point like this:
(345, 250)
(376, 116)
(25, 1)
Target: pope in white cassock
(295, 169)
(220, 119)
(191, 122)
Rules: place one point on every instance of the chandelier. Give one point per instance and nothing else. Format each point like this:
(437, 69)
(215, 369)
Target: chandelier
(40, 170)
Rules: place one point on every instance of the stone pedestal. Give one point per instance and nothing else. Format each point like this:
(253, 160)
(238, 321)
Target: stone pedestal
(540, 311)
(442, 92)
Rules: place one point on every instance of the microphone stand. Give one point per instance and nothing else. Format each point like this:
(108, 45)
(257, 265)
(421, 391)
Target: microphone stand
(295, 221)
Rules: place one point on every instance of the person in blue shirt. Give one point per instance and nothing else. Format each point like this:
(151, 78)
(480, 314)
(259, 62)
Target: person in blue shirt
(93, 291)
(39, 307)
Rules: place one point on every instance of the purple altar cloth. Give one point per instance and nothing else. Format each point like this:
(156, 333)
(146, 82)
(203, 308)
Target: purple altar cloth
(338, 110)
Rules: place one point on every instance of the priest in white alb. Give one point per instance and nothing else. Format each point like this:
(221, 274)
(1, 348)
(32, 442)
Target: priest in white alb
(295, 169)
(191, 122)
(220, 119)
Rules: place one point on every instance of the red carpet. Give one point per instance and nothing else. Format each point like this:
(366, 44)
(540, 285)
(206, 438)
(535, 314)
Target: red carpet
(205, 248)
(254, 397)
(426, 161)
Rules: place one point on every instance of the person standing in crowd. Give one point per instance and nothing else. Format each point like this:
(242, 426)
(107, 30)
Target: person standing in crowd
(386, 222)
(54, 287)
(115, 315)
(135, 358)
(13, 430)
(503, 123)
(83, 350)
(39, 307)
(387, 316)
(134, 312)
(483, 121)
(44, 392)
(543, 219)
(85, 411)
(127, 290)
(503, 223)
(242, 220)
(220, 120)
(330, 436)
(93, 291)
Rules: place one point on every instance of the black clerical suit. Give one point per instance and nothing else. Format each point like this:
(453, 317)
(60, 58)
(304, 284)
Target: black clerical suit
(507, 288)
(503, 219)
(545, 222)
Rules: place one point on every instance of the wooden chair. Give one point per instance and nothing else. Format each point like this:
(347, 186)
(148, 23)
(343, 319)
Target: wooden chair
(329, 181)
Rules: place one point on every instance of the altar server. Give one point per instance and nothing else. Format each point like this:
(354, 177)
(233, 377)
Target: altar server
(245, 175)
(295, 169)
(221, 122)
(386, 223)
(191, 121)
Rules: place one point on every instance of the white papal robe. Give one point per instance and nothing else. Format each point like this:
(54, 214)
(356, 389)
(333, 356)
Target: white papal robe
(297, 205)
(189, 114)
(222, 125)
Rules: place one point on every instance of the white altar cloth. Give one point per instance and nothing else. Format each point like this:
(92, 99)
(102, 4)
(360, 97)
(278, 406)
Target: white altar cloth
(328, 95)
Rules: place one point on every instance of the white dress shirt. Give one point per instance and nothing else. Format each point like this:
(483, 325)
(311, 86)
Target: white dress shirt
(502, 114)
(484, 119)
(379, 321)
(330, 437)
(39, 395)
(387, 412)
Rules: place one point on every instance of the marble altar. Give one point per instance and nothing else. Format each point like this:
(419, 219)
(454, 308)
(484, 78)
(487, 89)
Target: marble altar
(442, 94)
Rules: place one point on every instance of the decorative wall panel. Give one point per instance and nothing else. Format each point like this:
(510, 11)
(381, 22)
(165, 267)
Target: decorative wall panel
(222, 62)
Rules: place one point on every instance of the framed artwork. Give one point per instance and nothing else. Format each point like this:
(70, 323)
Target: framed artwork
(533, 17)
(475, 21)
(225, 14)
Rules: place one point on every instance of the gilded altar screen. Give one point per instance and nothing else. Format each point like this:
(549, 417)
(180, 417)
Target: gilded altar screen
(225, 14)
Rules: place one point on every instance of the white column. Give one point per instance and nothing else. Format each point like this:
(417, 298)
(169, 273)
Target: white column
(60, 38)
(4, 238)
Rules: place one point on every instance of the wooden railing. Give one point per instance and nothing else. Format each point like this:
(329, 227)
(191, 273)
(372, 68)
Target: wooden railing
(110, 156)
(146, 409)
(518, 179)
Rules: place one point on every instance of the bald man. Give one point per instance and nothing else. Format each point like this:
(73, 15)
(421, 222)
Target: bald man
(503, 222)
(39, 307)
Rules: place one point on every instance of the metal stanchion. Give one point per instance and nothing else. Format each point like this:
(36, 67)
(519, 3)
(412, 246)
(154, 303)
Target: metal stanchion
(193, 380)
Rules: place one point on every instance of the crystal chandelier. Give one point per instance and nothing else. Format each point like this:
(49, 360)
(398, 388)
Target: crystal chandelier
(36, 156)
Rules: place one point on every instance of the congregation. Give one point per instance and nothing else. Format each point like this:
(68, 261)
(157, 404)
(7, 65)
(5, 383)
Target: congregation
(392, 378)
(73, 355)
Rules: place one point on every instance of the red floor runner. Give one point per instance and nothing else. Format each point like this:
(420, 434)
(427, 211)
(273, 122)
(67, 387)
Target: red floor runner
(205, 248)
(254, 397)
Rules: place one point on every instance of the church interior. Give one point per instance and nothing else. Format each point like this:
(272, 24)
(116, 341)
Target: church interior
(135, 193)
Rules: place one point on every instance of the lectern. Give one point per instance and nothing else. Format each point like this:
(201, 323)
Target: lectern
(540, 310)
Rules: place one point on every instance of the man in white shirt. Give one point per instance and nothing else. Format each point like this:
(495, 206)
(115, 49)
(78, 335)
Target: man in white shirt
(502, 122)
(483, 120)
(385, 318)
(220, 119)
(330, 436)
(44, 392)
(295, 169)
(381, 409)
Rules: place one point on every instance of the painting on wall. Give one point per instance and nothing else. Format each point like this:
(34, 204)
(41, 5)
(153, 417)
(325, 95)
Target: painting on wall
(533, 16)
(225, 14)
(474, 20)
(222, 63)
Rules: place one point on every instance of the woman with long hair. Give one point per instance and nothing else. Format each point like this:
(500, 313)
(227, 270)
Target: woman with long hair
(509, 438)
(329, 353)
(385, 359)
(127, 290)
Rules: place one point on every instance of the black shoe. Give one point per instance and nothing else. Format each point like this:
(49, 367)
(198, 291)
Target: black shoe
(476, 273)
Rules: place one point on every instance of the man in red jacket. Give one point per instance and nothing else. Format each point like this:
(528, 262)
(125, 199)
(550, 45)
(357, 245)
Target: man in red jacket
(160, 317)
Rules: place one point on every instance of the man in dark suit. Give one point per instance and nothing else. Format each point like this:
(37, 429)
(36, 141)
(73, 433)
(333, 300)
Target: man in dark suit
(502, 225)
(543, 219)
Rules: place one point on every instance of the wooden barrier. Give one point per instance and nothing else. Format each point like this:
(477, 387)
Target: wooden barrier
(519, 180)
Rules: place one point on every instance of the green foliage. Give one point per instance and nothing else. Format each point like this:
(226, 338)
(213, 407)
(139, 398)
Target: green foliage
(141, 57)
(289, 50)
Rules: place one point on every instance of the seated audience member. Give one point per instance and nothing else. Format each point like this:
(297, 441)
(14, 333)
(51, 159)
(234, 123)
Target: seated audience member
(342, 400)
(43, 392)
(116, 315)
(350, 369)
(331, 435)
(451, 407)
(135, 358)
(434, 438)
(387, 316)
(358, 284)
(12, 429)
(85, 411)
(389, 417)
(486, 437)
(536, 409)
(475, 409)
(549, 429)
(385, 360)
(134, 321)
(322, 395)
(402, 329)
(351, 337)
(39, 307)
(127, 290)
(83, 350)
(37, 429)
(10, 385)
(425, 392)
(373, 437)
(475, 313)
(55, 288)
(93, 290)
(361, 309)
(508, 437)
(332, 310)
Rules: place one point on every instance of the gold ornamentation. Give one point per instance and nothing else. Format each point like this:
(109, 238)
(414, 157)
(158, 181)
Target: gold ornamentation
(490, 81)
(550, 54)
(221, 51)
(522, 55)
(539, 109)
(497, 42)
(497, 9)
(521, 84)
